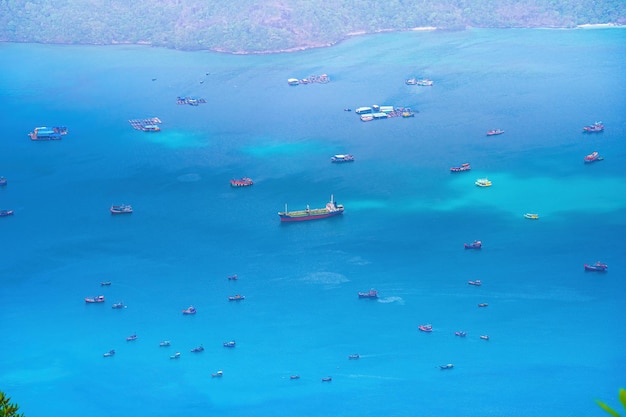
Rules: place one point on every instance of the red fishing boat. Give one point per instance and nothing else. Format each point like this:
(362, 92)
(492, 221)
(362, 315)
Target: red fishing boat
(594, 128)
(593, 157)
(242, 182)
(425, 328)
(461, 168)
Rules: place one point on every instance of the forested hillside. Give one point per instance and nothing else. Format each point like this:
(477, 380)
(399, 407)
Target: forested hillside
(271, 25)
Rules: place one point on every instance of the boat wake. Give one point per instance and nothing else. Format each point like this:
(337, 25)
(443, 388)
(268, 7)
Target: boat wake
(325, 278)
(357, 260)
(388, 300)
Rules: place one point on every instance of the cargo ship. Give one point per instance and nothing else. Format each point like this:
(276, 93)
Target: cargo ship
(48, 133)
(331, 209)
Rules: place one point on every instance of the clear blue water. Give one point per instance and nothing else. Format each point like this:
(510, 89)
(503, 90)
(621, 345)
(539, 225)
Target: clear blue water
(557, 333)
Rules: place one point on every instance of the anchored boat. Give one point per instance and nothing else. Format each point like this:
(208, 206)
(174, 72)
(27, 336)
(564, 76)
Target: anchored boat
(121, 209)
(461, 168)
(594, 128)
(242, 182)
(593, 157)
(597, 267)
(48, 133)
(332, 209)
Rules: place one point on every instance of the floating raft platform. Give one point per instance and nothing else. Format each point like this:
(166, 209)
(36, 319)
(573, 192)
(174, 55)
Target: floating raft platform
(384, 112)
(190, 101)
(144, 124)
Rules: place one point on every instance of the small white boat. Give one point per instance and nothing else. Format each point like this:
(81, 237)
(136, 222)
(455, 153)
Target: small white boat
(532, 216)
(483, 182)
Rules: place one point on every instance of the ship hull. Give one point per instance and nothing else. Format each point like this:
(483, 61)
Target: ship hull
(296, 218)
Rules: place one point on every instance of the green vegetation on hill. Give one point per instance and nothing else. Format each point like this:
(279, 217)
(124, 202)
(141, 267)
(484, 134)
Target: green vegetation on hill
(240, 26)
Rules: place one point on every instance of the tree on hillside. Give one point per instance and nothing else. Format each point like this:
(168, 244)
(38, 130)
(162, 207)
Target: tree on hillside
(622, 398)
(7, 409)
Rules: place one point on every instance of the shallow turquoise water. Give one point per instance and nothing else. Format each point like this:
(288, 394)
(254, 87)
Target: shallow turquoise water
(556, 341)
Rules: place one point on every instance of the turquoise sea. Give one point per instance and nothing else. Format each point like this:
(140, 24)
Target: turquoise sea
(557, 340)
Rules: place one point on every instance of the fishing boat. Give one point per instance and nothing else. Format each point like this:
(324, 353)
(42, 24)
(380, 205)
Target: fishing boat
(370, 294)
(366, 117)
(217, 374)
(327, 379)
(48, 133)
(165, 343)
(131, 338)
(230, 344)
(237, 297)
(597, 267)
(232, 277)
(4, 213)
(424, 82)
(592, 157)
(198, 349)
(242, 182)
(121, 209)
(293, 81)
(332, 209)
(594, 128)
(446, 366)
(151, 128)
(354, 356)
(342, 158)
(109, 353)
(483, 305)
(175, 355)
(483, 182)
(477, 244)
(119, 305)
(3, 181)
(476, 283)
(461, 168)
(494, 132)
(294, 377)
(460, 334)
(105, 283)
(425, 328)
(484, 337)
(97, 299)
(190, 310)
